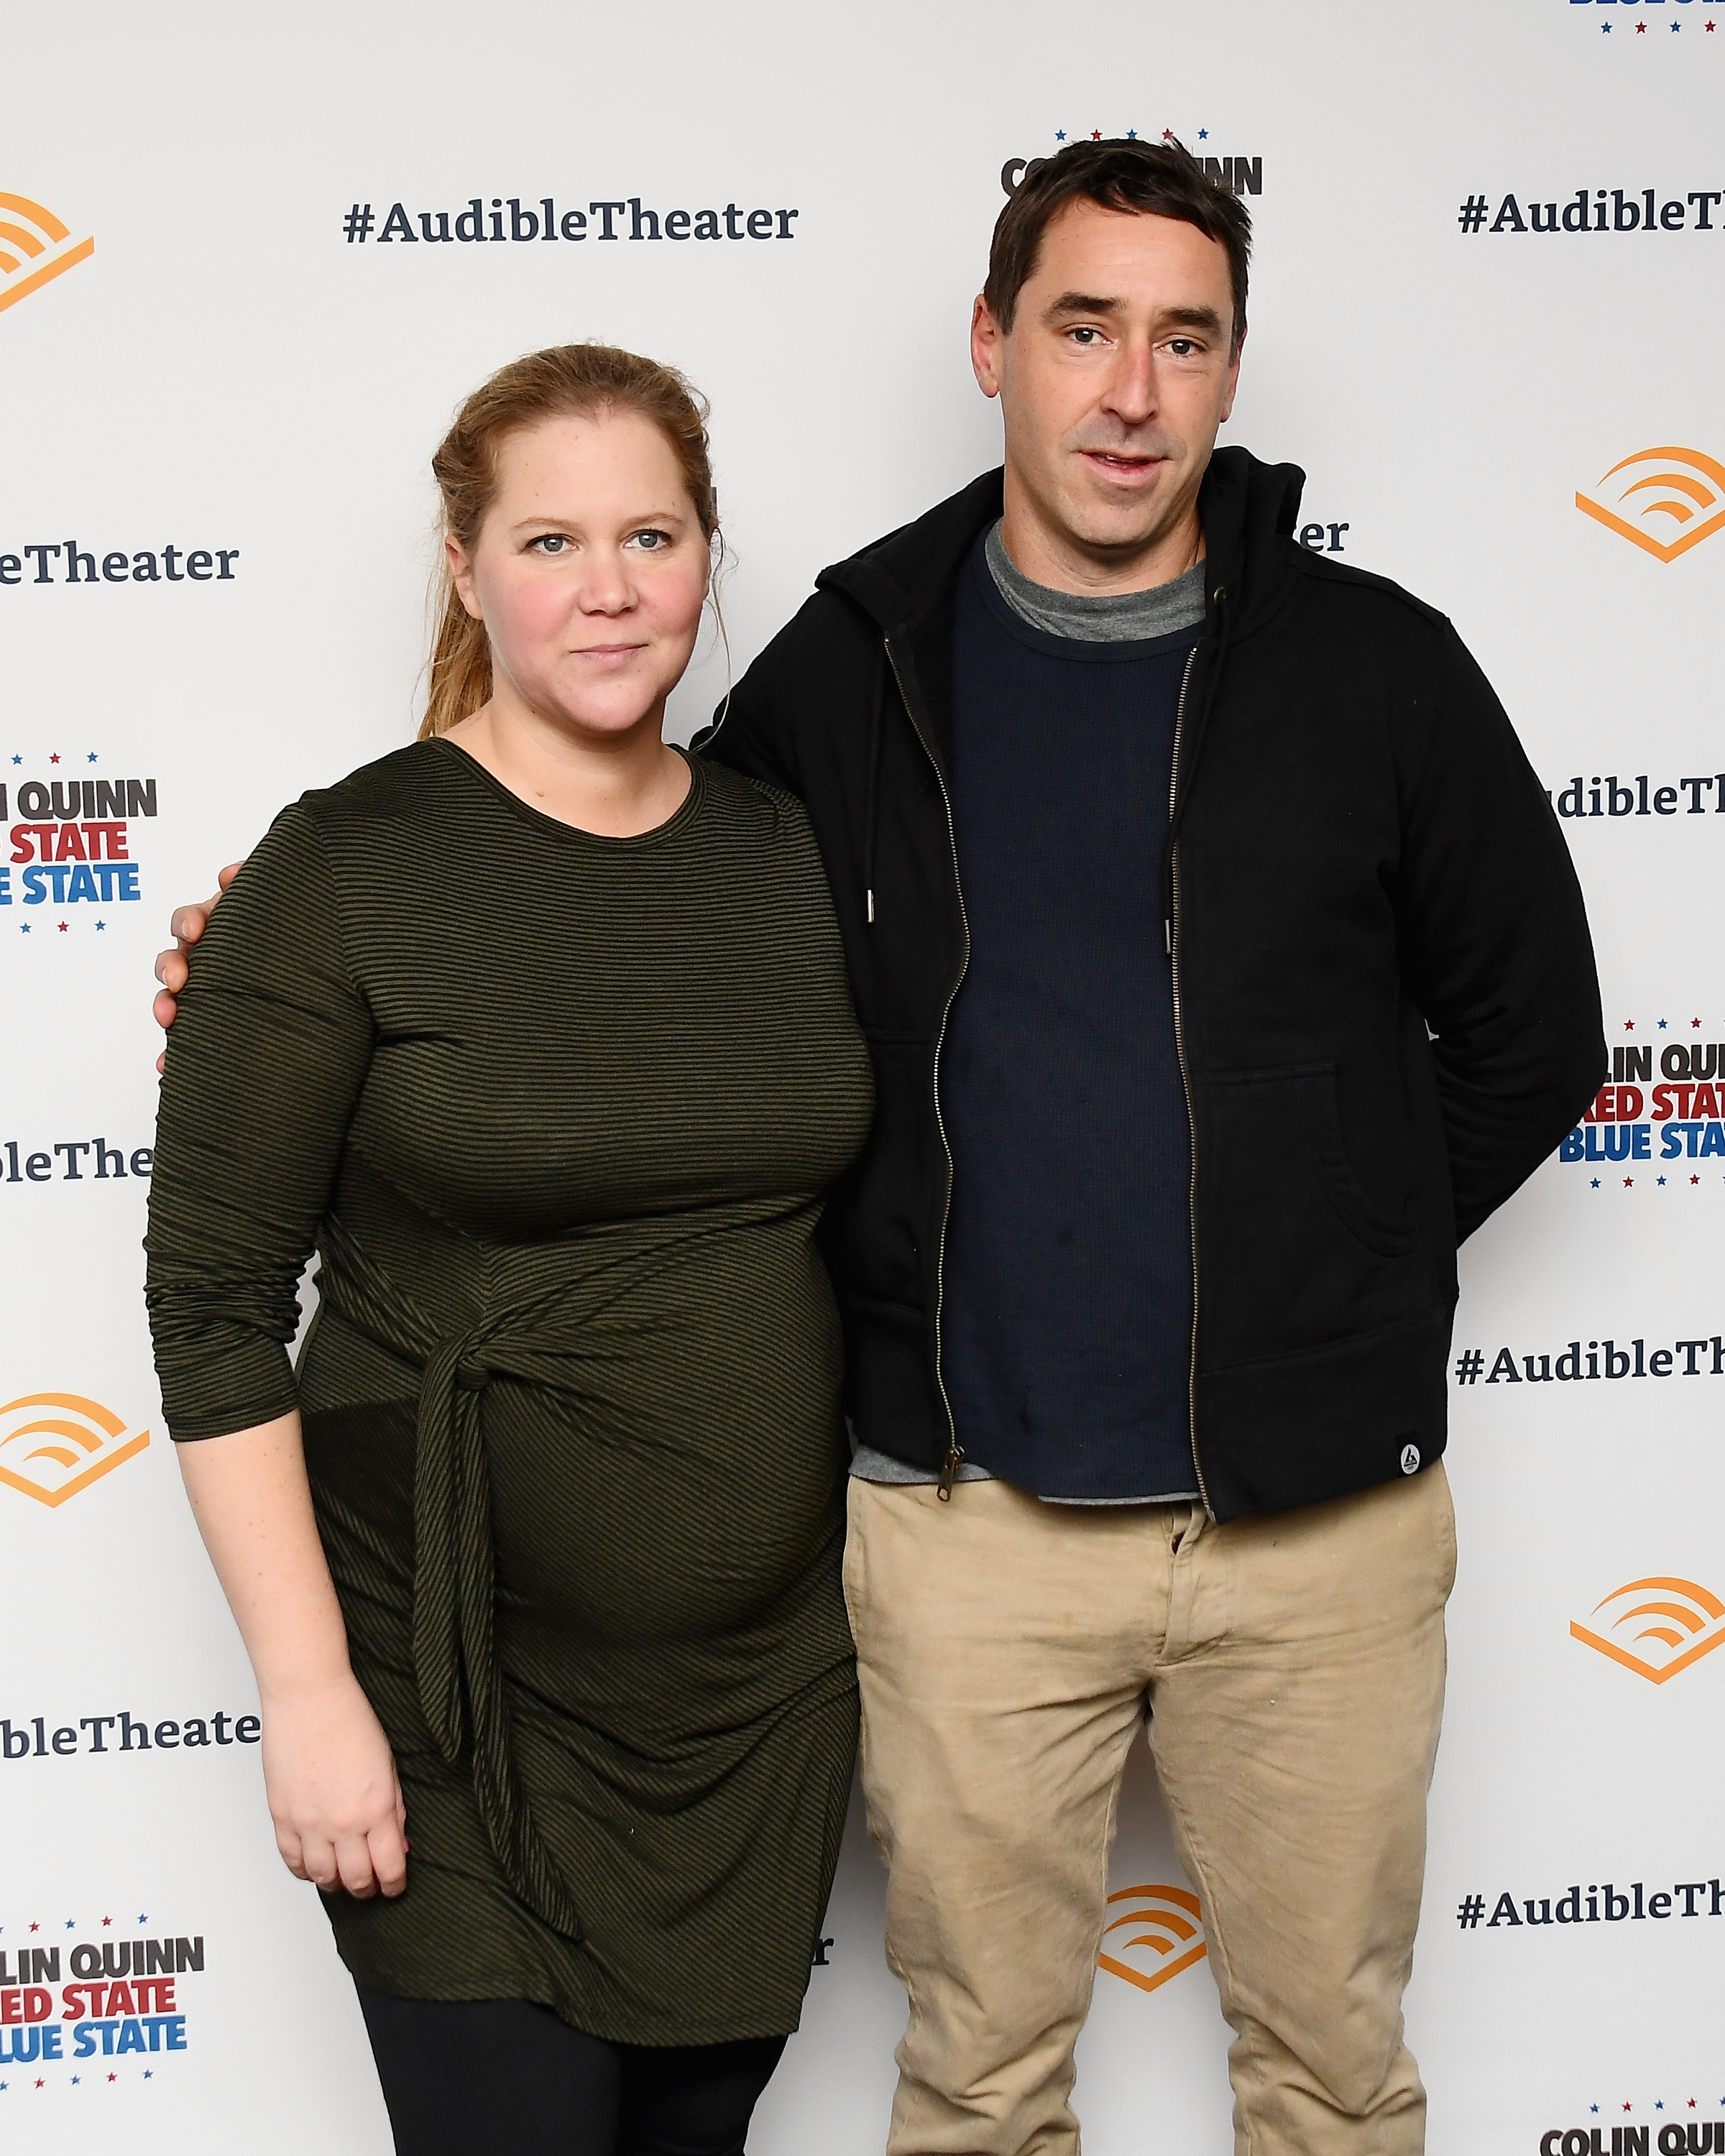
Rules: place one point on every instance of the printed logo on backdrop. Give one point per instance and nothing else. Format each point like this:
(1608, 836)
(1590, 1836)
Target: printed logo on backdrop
(1614, 210)
(73, 831)
(1660, 1119)
(515, 221)
(65, 562)
(1663, 501)
(1606, 1360)
(1245, 175)
(110, 2006)
(1165, 1923)
(1604, 1902)
(1657, 1627)
(35, 247)
(1697, 2136)
(1640, 28)
(54, 1446)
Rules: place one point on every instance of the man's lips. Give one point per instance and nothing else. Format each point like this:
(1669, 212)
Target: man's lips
(1123, 467)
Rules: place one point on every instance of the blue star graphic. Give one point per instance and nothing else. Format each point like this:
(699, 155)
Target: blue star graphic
(1596, 1182)
(91, 757)
(1204, 134)
(148, 2076)
(18, 759)
(1059, 134)
(142, 1918)
(1661, 1025)
(1131, 134)
(1662, 1178)
(76, 2078)
(101, 925)
(71, 1921)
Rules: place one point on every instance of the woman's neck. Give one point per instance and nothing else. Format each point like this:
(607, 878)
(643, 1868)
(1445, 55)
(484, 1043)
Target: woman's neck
(616, 786)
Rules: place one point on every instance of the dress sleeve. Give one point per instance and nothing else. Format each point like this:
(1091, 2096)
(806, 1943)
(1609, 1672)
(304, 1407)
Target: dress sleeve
(265, 1062)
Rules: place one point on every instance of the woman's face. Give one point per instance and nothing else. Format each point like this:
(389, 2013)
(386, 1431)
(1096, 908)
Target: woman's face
(589, 571)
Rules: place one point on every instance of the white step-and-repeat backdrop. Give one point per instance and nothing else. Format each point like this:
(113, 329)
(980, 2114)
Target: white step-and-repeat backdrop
(249, 262)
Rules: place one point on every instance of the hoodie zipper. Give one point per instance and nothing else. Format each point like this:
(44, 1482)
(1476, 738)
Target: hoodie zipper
(1173, 953)
(955, 1452)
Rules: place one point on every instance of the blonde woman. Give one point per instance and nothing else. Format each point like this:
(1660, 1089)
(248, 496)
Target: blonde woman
(538, 1032)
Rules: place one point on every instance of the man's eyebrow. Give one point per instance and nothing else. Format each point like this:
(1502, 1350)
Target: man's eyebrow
(1191, 318)
(1081, 303)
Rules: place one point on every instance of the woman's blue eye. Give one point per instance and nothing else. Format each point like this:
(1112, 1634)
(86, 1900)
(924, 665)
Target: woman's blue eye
(553, 542)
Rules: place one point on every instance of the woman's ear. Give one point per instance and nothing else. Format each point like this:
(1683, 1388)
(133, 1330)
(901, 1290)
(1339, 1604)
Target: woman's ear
(461, 576)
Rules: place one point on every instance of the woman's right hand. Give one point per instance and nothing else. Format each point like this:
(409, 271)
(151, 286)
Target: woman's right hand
(333, 1791)
(172, 970)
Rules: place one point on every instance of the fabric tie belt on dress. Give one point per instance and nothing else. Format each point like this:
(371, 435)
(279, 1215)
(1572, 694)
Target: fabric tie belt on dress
(455, 1666)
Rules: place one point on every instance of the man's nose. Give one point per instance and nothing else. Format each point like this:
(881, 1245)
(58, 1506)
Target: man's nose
(1132, 393)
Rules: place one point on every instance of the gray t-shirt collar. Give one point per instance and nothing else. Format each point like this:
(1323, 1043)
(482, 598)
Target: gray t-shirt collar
(1126, 617)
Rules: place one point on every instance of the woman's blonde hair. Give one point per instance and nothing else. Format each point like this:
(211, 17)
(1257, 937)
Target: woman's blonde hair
(569, 380)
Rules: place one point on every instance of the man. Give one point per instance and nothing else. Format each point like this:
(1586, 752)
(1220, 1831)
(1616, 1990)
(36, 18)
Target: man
(1223, 967)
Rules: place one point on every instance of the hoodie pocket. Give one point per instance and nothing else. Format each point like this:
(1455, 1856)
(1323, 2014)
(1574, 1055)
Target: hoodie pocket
(1293, 1252)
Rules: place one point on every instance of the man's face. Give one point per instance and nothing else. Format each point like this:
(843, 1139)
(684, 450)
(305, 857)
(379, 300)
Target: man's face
(1112, 381)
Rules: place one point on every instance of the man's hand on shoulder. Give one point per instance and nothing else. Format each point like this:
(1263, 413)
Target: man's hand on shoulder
(172, 968)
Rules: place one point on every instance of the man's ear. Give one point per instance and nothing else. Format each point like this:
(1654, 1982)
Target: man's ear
(986, 338)
(461, 576)
(1233, 378)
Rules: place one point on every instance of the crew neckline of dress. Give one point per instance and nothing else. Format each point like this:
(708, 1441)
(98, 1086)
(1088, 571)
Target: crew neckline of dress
(681, 814)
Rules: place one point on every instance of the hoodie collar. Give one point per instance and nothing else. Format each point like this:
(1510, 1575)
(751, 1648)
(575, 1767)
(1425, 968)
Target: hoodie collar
(1248, 510)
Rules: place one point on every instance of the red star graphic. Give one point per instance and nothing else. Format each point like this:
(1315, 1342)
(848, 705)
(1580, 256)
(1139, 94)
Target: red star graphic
(41, 2084)
(1694, 1178)
(107, 1920)
(63, 928)
(1095, 134)
(1629, 1183)
(1695, 1021)
(35, 1928)
(1628, 1025)
(113, 2077)
(54, 759)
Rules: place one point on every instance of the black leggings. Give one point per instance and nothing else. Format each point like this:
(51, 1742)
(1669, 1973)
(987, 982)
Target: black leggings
(503, 2074)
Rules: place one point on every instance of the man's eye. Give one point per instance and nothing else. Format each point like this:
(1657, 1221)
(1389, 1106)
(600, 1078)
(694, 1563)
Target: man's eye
(1086, 336)
(551, 543)
(1182, 347)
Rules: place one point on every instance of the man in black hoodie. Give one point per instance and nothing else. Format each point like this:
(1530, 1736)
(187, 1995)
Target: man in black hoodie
(1224, 967)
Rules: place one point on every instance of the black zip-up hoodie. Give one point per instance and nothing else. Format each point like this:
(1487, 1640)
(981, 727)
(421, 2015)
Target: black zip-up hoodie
(1384, 987)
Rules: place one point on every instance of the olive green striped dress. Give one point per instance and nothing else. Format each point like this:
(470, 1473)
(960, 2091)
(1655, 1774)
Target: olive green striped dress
(557, 1111)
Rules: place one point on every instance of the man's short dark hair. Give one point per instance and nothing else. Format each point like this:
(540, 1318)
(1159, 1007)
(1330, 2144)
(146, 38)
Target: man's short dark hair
(1153, 179)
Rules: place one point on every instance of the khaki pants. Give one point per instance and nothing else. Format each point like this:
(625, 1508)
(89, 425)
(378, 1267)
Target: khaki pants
(1292, 1669)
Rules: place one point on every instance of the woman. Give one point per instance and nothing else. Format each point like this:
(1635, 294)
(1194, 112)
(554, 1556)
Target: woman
(539, 1033)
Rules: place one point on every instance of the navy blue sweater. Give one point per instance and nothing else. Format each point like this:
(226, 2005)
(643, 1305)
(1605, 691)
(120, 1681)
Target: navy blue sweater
(1066, 1329)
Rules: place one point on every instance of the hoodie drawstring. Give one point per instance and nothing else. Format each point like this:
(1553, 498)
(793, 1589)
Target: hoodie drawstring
(875, 719)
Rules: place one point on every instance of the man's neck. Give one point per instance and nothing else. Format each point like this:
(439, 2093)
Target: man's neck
(1056, 558)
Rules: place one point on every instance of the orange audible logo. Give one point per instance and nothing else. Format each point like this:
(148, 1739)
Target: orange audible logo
(35, 248)
(1688, 1622)
(1661, 495)
(1171, 1924)
(84, 1442)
